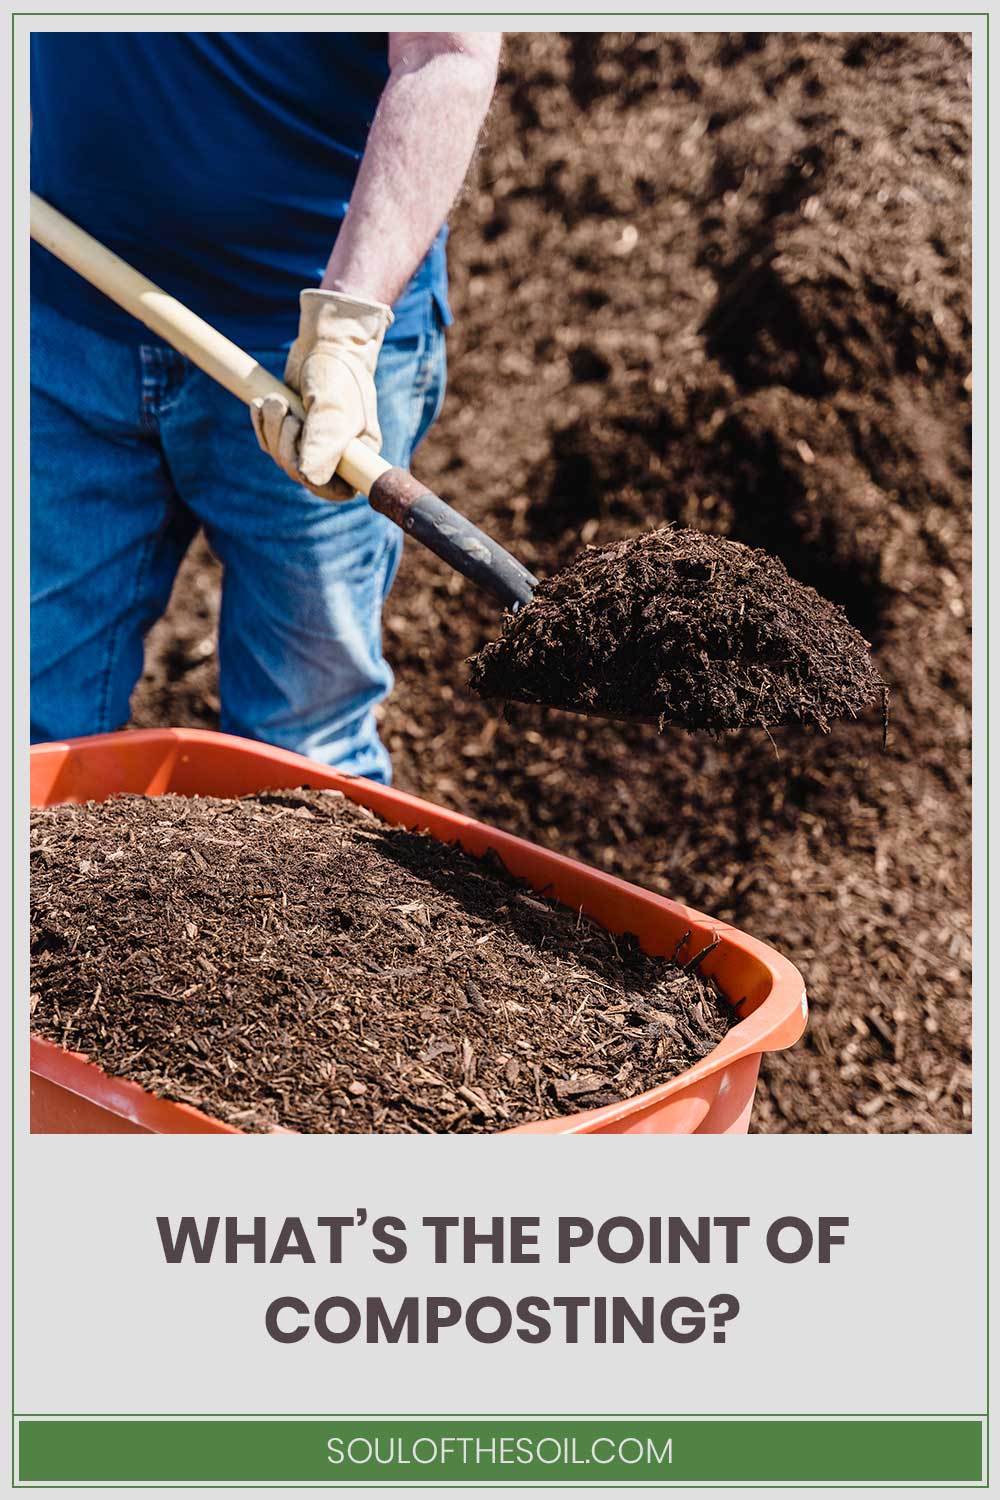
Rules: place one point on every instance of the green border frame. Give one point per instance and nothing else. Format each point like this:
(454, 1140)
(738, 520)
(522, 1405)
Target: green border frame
(984, 773)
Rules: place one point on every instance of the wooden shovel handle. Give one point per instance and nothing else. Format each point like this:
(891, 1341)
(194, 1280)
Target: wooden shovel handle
(203, 345)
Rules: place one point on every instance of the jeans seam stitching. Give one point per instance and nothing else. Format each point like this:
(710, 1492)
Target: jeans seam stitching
(115, 634)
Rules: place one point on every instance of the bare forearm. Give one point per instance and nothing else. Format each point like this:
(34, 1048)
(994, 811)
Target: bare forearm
(418, 152)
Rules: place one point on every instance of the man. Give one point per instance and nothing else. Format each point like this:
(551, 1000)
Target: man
(225, 166)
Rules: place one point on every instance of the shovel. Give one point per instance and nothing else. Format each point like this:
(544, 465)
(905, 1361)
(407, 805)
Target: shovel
(391, 491)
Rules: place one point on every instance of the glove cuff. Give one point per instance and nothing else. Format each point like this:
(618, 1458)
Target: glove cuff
(319, 309)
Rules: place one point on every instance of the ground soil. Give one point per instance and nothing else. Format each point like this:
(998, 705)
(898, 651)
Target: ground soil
(683, 630)
(721, 281)
(292, 960)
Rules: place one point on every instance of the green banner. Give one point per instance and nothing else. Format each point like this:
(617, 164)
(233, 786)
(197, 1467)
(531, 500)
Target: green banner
(493, 1450)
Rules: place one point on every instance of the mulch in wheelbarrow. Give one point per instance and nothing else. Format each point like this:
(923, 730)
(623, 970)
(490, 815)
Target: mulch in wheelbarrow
(290, 960)
(685, 629)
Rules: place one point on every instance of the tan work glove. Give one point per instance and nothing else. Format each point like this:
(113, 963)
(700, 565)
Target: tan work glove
(332, 366)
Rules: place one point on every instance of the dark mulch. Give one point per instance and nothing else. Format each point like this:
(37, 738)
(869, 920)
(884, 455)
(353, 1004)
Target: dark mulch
(686, 629)
(290, 959)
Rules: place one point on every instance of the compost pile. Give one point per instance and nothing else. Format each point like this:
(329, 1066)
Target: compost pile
(719, 281)
(684, 629)
(289, 959)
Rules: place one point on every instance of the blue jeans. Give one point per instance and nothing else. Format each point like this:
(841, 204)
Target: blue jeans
(132, 448)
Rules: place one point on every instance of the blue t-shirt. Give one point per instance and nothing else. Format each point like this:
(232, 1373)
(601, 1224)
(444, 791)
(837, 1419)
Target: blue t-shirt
(219, 164)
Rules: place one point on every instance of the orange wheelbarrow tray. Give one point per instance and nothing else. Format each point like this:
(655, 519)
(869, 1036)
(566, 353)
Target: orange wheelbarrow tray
(715, 1097)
